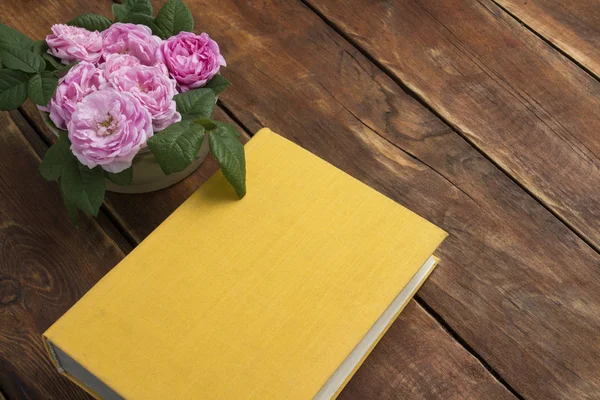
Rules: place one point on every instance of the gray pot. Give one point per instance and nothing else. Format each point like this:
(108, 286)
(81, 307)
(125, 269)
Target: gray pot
(147, 175)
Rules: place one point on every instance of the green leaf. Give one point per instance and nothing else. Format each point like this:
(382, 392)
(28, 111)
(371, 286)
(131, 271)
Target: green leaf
(175, 17)
(176, 146)
(83, 187)
(91, 22)
(135, 18)
(119, 11)
(40, 47)
(20, 59)
(13, 89)
(41, 88)
(197, 103)
(12, 37)
(54, 62)
(208, 124)
(56, 158)
(138, 6)
(72, 209)
(226, 147)
(218, 84)
(62, 70)
(122, 178)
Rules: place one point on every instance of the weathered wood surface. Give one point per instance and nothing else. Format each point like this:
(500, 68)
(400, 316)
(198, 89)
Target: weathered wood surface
(527, 107)
(516, 284)
(46, 265)
(36, 17)
(382, 377)
(571, 26)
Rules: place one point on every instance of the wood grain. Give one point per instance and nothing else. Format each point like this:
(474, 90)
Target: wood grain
(519, 286)
(458, 373)
(572, 26)
(523, 104)
(34, 17)
(516, 283)
(46, 265)
(390, 370)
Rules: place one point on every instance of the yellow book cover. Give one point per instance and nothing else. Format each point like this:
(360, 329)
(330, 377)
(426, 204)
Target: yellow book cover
(280, 295)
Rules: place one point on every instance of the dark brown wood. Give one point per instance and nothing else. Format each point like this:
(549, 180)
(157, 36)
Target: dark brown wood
(390, 369)
(36, 17)
(516, 284)
(523, 104)
(46, 265)
(461, 373)
(572, 26)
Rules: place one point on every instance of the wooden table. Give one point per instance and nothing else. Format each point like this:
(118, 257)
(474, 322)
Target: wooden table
(481, 115)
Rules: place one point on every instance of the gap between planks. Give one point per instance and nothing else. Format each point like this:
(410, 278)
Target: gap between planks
(465, 345)
(544, 39)
(117, 227)
(422, 101)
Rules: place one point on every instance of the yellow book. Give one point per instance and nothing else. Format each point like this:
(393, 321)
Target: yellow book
(280, 295)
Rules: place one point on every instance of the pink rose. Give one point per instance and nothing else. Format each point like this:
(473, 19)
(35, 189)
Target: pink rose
(116, 62)
(191, 59)
(108, 128)
(71, 43)
(136, 40)
(153, 87)
(81, 80)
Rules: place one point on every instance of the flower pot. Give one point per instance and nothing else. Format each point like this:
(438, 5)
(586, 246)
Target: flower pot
(147, 174)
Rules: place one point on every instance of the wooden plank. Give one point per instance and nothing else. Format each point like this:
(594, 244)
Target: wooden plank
(46, 265)
(527, 107)
(47, 13)
(572, 26)
(458, 372)
(390, 369)
(520, 287)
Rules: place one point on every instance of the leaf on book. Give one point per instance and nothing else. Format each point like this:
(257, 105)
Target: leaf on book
(225, 145)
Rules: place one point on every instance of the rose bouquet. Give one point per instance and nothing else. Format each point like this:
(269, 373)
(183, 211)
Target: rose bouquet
(111, 89)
